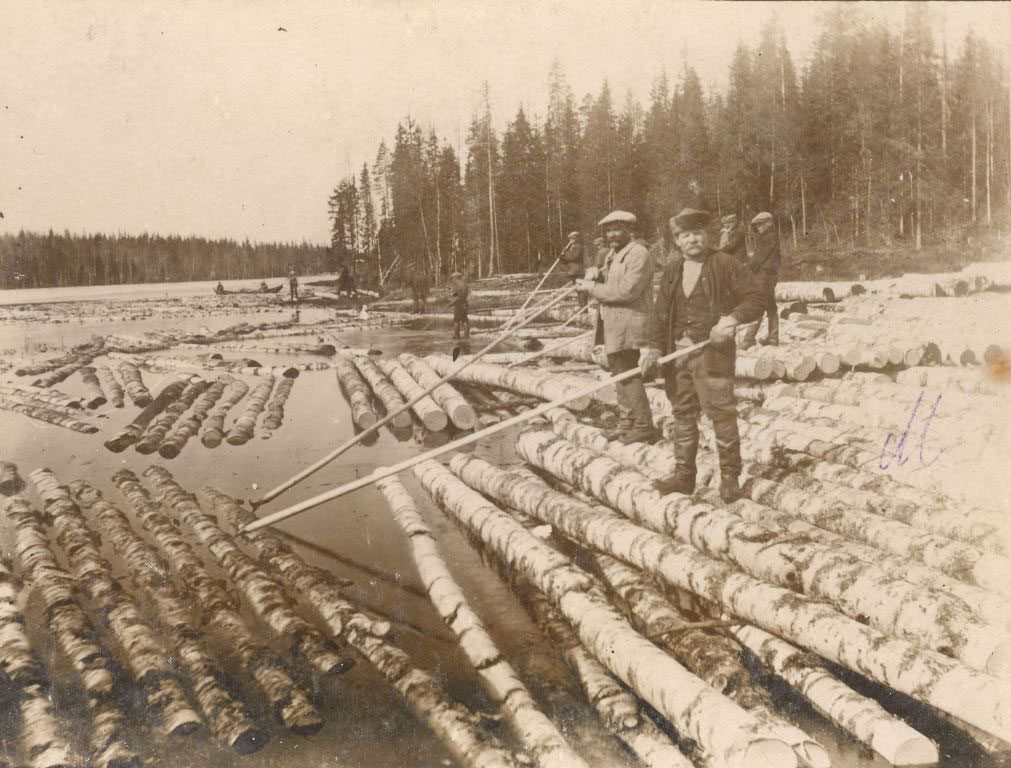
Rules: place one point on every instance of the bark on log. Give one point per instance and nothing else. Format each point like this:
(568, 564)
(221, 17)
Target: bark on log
(214, 428)
(459, 411)
(426, 409)
(151, 440)
(753, 367)
(356, 391)
(244, 426)
(185, 429)
(228, 718)
(384, 390)
(65, 372)
(10, 481)
(724, 730)
(796, 561)
(501, 682)
(979, 699)
(134, 384)
(129, 434)
(109, 383)
(50, 397)
(143, 654)
(274, 415)
(40, 412)
(266, 596)
(94, 396)
(522, 381)
(75, 637)
(452, 723)
(220, 610)
(41, 732)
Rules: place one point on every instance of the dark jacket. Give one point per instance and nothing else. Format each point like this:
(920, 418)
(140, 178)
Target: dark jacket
(731, 290)
(572, 259)
(766, 256)
(732, 242)
(460, 293)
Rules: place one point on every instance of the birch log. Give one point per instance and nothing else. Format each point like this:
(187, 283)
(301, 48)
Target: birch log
(214, 427)
(459, 411)
(93, 394)
(41, 412)
(111, 386)
(11, 483)
(725, 731)
(152, 438)
(266, 597)
(452, 723)
(796, 561)
(144, 656)
(426, 409)
(129, 434)
(220, 610)
(274, 415)
(980, 699)
(244, 426)
(47, 396)
(356, 390)
(228, 717)
(75, 637)
(384, 390)
(134, 384)
(60, 374)
(523, 381)
(40, 731)
(533, 728)
(187, 427)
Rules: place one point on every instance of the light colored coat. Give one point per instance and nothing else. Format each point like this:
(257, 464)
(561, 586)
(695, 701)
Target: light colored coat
(626, 299)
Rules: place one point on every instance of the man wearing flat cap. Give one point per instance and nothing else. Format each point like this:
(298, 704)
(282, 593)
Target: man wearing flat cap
(732, 238)
(765, 265)
(626, 299)
(571, 260)
(704, 294)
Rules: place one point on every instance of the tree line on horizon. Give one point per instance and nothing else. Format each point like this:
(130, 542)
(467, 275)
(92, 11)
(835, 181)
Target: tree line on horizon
(885, 137)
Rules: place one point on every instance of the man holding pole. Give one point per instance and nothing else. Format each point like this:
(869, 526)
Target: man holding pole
(572, 257)
(704, 294)
(626, 300)
(765, 265)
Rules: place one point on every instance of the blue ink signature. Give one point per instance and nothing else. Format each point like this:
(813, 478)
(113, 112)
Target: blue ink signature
(899, 451)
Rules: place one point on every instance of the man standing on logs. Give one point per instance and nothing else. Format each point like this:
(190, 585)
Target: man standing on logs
(293, 285)
(626, 300)
(765, 265)
(732, 238)
(571, 260)
(458, 300)
(704, 294)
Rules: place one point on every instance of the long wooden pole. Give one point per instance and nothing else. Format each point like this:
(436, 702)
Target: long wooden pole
(533, 293)
(548, 350)
(383, 472)
(534, 313)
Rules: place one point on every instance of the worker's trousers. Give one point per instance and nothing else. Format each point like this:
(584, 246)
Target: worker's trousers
(633, 405)
(768, 281)
(691, 390)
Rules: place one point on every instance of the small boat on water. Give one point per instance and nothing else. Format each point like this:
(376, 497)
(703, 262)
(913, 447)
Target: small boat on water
(220, 290)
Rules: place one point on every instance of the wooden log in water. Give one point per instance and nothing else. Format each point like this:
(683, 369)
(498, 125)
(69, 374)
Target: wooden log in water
(10, 481)
(110, 385)
(456, 407)
(94, 396)
(188, 426)
(501, 682)
(129, 434)
(724, 730)
(134, 385)
(274, 414)
(220, 610)
(75, 636)
(384, 390)
(152, 438)
(227, 716)
(266, 597)
(426, 409)
(926, 675)
(41, 412)
(52, 397)
(143, 653)
(214, 426)
(244, 426)
(356, 390)
(63, 372)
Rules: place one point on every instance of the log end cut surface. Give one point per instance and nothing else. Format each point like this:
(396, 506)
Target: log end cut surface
(767, 753)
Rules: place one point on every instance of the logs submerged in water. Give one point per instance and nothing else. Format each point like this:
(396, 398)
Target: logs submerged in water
(152, 438)
(129, 434)
(243, 428)
(214, 428)
(220, 610)
(459, 411)
(134, 384)
(426, 409)
(356, 390)
(275, 408)
(384, 390)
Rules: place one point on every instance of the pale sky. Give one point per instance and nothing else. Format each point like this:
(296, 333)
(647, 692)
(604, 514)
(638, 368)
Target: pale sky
(199, 117)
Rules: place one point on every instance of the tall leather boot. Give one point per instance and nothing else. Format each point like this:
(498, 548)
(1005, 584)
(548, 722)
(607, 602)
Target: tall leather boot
(686, 446)
(622, 426)
(642, 430)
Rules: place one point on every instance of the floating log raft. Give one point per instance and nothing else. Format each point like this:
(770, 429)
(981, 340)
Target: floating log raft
(50, 397)
(142, 652)
(924, 674)
(134, 384)
(151, 440)
(94, 396)
(187, 427)
(111, 386)
(228, 717)
(40, 412)
(129, 434)
(244, 426)
(426, 409)
(322, 350)
(274, 415)
(534, 729)
(75, 637)
(722, 729)
(11, 483)
(459, 411)
(220, 610)
(266, 597)
(214, 427)
(384, 390)
(356, 390)
(522, 381)
(40, 731)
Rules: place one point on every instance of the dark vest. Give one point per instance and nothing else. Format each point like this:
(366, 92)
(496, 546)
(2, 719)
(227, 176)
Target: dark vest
(692, 314)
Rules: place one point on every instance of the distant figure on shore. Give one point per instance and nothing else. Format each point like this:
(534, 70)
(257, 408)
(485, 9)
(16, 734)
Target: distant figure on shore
(732, 238)
(219, 288)
(460, 292)
(417, 281)
(571, 261)
(263, 286)
(345, 283)
(293, 285)
(765, 264)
